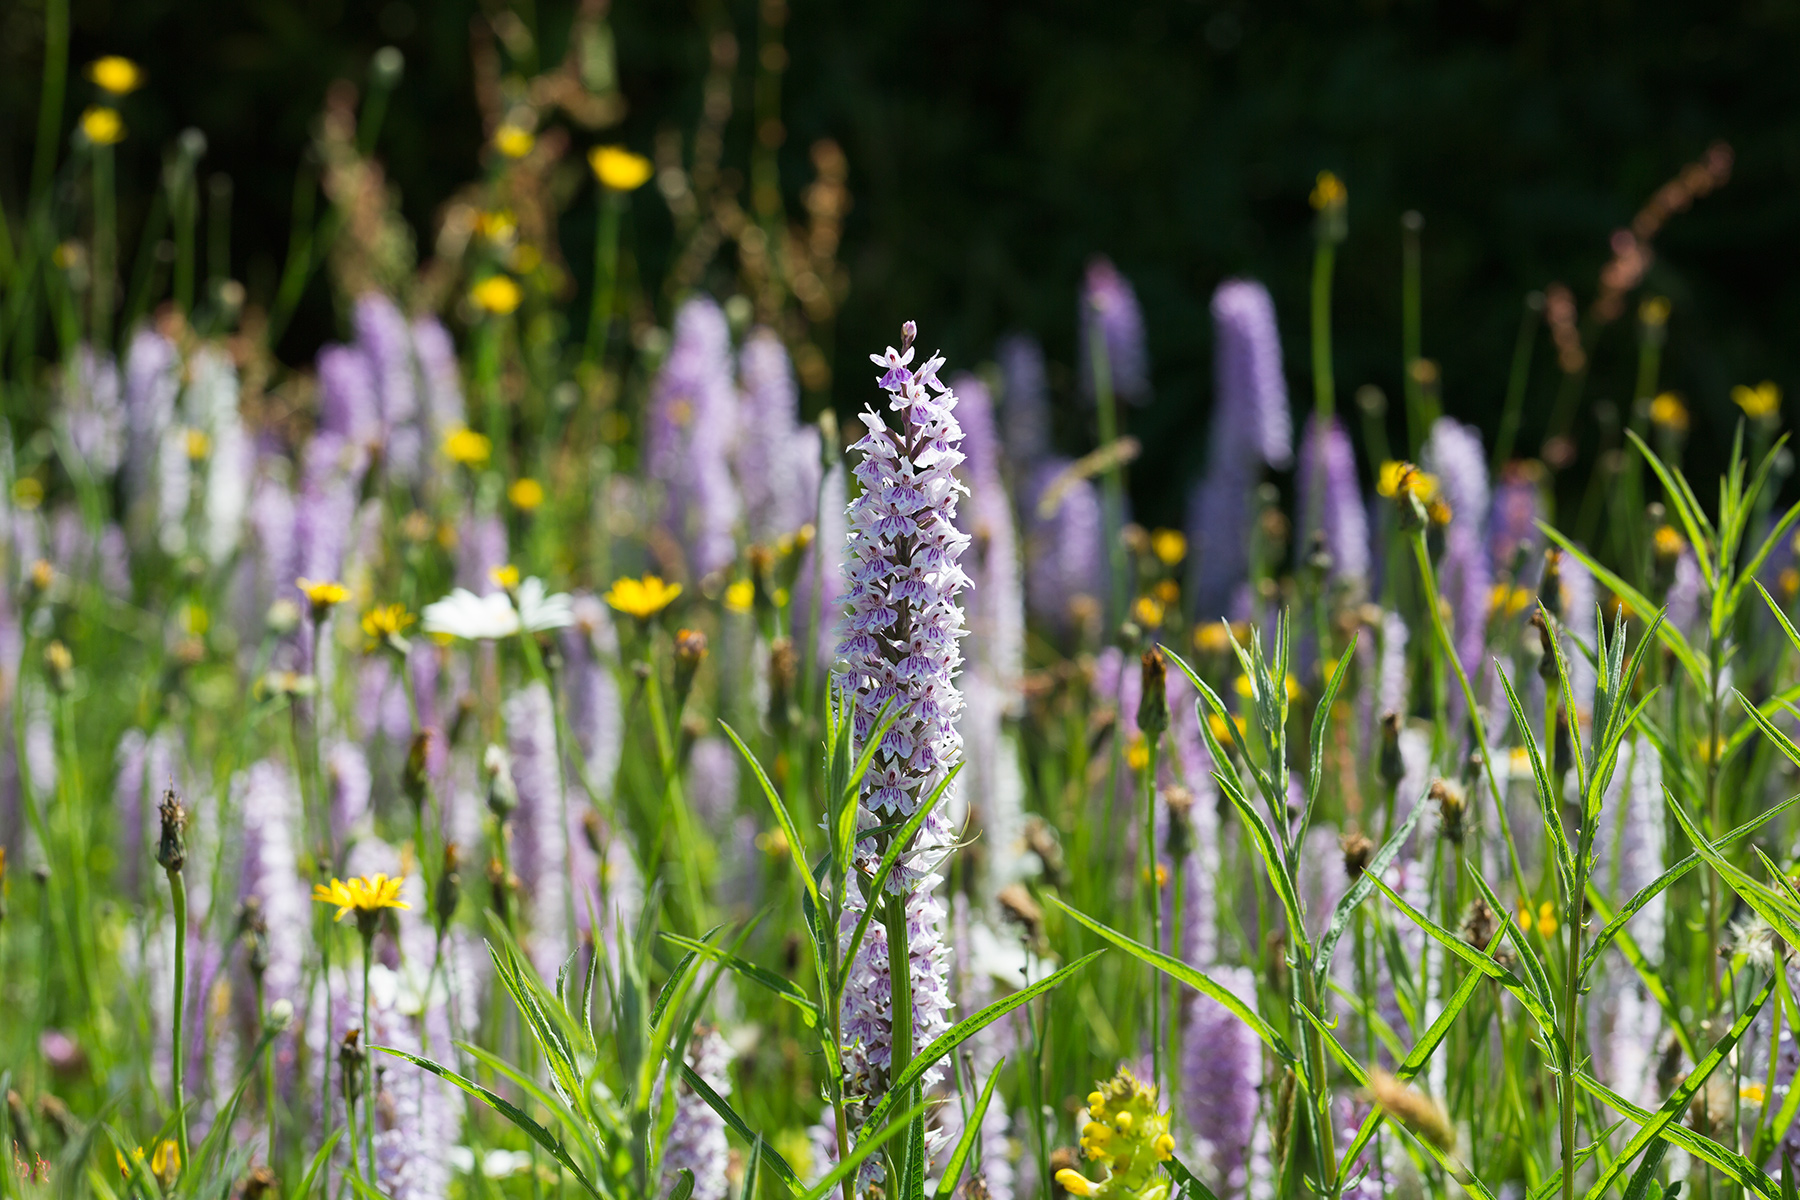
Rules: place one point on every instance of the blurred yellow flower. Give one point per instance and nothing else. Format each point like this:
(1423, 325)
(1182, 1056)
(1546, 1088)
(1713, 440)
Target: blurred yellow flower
(116, 74)
(525, 494)
(1167, 591)
(506, 577)
(642, 598)
(1788, 582)
(514, 141)
(386, 621)
(1147, 611)
(1395, 475)
(102, 126)
(1654, 312)
(496, 294)
(199, 445)
(1221, 731)
(498, 226)
(322, 593)
(619, 169)
(360, 895)
(1760, 402)
(1169, 545)
(1667, 543)
(1508, 601)
(1668, 412)
(1246, 687)
(1546, 920)
(1212, 638)
(1752, 1092)
(1137, 753)
(28, 492)
(739, 595)
(1328, 192)
(165, 1162)
(465, 446)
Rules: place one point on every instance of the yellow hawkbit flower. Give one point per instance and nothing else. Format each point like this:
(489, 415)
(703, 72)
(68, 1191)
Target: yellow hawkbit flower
(1169, 546)
(514, 141)
(1667, 543)
(1507, 601)
(1168, 592)
(115, 74)
(322, 593)
(498, 227)
(1667, 412)
(618, 168)
(642, 598)
(739, 595)
(1394, 476)
(1546, 920)
(1137, 753)
(1162, 875)
(496, 294)
(1147, 611)
(467, 447)
(1127, 1135)
(361, 895)
(525, 494)
(1759, 403)
(1752, 1092)
(386, 622)
(102, 126)
(1328, 192)
(165, 1162)
(1221, 731)
(199, 445)
(506, 577)
(1212, 638)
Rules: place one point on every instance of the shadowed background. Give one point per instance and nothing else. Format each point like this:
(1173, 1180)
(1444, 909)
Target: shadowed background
(994, 147)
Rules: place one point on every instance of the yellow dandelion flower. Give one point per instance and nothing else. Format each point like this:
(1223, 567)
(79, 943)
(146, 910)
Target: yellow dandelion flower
(1212, 638)
(1667, 412)
(1137, 753)
(1394, 476)
(506, 577)
(165, 1162)
(739, 595)
(1221, 731)
(116, 74)
(467, 447)
(525, 494)
(1147, 611)
(1546, 920)
(1524, 919)
(1328, 192)
(1666, 543)
(102, 125)
(496, 294)
(386, 621)
(199, 445)
(642, 598)
(1760, 402)
(1169, 546)
(361, 895)
(619, 169)
(514, 141)
(322, 593)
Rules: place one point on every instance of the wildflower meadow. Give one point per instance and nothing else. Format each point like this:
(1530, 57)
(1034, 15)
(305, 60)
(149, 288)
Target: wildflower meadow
(620, 741)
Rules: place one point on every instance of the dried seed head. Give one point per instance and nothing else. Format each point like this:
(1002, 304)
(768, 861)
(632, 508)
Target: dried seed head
(1413, 1109)
(1358, 849)
(1018, 907)
(1153, 704)
(171, 846)
(1452, 808)
(1479, 924)
(1393, 765)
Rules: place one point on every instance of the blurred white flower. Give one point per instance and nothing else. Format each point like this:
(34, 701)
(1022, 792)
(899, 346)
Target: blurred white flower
(463, 614)
(539, 611)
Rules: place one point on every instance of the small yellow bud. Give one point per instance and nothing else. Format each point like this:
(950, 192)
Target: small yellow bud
(619, 169)
(115, 74)
(102, 126)
(514, 141)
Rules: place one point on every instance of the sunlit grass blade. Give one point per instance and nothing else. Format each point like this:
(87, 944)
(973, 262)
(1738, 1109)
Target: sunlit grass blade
(965, 1145)
(1315, 770)
(1358, 891)
(770, 1157)
(1181, 972)
(565, 1073)
(1665, 1120)
(853, 1161)
(780, 809)
(761, 976)
(1548, 801)
(1667, 633)
(512, 1112)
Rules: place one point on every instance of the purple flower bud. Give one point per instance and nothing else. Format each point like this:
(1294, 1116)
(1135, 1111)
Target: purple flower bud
(1025, 403)
(777, 460)
(691, 428)
(348, 403)
(92, 412)
(1513, 532)
(1331, 501)
(540, 837)
(1064, 550)
(1110, 317)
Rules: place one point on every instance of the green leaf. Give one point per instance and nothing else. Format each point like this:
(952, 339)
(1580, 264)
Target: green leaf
(565, 1074)
(959, 1158)
(762, 976)
(1645, 1176)
(896, 847)
(1549, 803)
(1646, 971)
(1770, 905)
(505, 1108)
(1700, 1146)
(1663, 1123)
(1669, 635)
(1316, 742)
(782, 816)
(967, 1028)
(1190, 1182)
(863, 1149)
(684, 1185)
(1177, 970)
(720, 1105)
(1346, 907)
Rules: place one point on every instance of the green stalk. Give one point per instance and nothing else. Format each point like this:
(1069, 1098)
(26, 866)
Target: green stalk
(606, 273)
(1448, 648)
(1112, 482)
(1571, 1003)
(674, 803)
(50, 97)
(1417, 419)
(1516, 379)
(368, 946)
(1154, 741)
(187, 217)
(900, 1027)
(178, 897)
(1324, 386)
(105, 252)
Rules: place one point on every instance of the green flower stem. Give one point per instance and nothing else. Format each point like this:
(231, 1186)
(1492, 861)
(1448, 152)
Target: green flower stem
(1517, 377)
(178, 899)
(1433, 609)
(674, 803)
(105, 247)
(1153, 743)
(1324, 384)
(610, 205)
(368, 952)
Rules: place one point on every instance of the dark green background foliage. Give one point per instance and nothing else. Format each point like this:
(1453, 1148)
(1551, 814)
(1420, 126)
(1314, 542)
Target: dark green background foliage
(994, 147)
